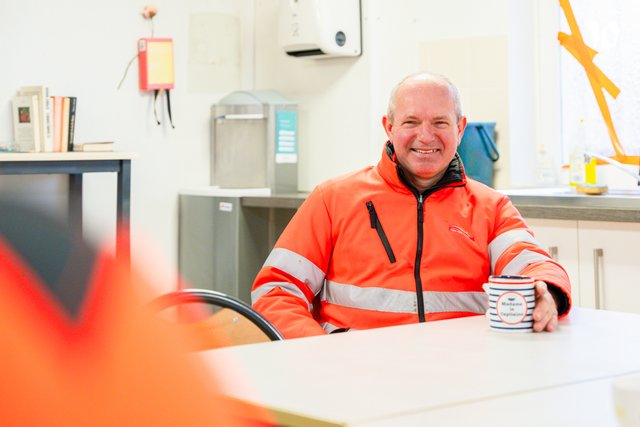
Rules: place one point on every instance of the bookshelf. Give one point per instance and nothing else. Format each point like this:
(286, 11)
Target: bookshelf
(75, 164)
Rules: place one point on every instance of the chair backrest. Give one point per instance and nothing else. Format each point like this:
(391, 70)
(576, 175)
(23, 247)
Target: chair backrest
(215, 319)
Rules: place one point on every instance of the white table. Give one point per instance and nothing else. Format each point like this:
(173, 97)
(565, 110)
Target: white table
(438, 371)
(588, 403)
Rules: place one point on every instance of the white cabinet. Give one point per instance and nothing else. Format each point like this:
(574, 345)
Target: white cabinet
(610, 265)
(560, 239)
(601, 258)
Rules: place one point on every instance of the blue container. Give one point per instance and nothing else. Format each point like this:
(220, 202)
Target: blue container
(478, 151)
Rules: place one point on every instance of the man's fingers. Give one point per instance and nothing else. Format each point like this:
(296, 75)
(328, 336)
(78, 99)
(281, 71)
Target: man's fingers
(553, 323)
(545, 315)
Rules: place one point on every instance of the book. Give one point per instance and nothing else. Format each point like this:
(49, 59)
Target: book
(44, 109)
(94, 146)
(26, 123)
(72, 121)
(57, 123)
(48, 141)
(64, 135)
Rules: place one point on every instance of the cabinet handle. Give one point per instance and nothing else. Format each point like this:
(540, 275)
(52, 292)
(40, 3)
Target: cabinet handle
(598, 255)
(553, 252)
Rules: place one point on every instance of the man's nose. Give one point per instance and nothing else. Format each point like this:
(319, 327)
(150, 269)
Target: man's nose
(425, 132)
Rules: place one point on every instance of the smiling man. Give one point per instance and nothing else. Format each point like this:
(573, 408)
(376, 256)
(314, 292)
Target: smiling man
(425, 135)
(409, 240)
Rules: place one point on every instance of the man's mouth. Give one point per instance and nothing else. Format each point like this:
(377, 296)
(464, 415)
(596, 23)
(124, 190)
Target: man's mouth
(425, 151)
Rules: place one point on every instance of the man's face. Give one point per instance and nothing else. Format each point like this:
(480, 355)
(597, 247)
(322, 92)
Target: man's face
(424, 132)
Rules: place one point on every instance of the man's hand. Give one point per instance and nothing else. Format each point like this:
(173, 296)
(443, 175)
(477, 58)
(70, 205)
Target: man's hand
(545, 315)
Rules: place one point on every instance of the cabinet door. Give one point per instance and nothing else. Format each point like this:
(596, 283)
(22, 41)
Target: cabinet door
(560, 239)
(610, 265)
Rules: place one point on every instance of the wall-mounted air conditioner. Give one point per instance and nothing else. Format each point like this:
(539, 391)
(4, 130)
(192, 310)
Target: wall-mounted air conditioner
(320, 28)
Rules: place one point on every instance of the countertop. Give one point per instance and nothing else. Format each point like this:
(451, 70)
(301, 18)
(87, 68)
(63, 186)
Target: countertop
(546, 203)
(564, 203)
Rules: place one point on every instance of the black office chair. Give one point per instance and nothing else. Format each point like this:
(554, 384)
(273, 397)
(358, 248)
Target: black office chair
(222, 320)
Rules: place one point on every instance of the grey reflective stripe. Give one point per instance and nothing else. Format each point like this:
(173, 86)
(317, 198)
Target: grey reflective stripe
(395, 301)
(504, 241)
(523, 259)
(440, 302)
(285, 286)
(328, 327)
(297, 266)
(376, 299)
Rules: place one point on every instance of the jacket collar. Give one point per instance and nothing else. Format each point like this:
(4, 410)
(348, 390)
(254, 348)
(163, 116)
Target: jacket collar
(391, 171)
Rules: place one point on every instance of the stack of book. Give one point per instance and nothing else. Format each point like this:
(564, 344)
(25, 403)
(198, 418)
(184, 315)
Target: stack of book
(43, 123)
(94, 146)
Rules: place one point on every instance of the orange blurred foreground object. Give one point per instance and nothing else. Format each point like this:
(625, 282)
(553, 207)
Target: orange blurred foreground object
(112, 364)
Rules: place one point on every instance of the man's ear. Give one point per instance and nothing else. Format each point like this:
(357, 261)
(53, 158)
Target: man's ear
(462, 124)
(387, 125)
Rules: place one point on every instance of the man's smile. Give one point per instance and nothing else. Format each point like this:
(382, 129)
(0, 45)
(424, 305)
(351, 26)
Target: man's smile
(425, 151)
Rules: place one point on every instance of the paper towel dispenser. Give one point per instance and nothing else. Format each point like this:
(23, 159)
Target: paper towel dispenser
(320, 28)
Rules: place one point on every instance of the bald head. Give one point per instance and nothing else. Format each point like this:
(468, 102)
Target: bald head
(430, 77)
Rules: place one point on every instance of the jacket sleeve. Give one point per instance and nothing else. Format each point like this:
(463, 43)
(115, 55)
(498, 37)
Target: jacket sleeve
(293, 274)
(514, 250)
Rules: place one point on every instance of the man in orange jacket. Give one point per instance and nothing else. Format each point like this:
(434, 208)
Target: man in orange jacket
(409, 240)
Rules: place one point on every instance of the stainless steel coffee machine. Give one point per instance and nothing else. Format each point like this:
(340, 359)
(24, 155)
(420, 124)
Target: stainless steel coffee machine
(254, 142)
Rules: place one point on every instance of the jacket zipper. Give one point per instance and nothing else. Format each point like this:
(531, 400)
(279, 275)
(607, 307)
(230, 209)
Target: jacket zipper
(416, 264)
(454, 178)
(375, 223)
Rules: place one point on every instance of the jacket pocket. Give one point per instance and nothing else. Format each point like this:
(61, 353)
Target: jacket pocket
(375, 223)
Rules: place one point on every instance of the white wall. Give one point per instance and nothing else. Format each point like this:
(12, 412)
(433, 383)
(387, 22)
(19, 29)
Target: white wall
(342, 100)
(81, 48)
(534, 95)
(332, 96)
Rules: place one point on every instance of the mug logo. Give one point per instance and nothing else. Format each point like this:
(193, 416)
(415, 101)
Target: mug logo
(459, 230)
(511, 308)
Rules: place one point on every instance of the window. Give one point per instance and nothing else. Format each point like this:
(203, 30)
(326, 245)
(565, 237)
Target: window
(611, 29)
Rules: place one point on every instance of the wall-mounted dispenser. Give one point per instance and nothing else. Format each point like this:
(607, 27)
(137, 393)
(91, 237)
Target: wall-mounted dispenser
(254, 141)
(320, 28)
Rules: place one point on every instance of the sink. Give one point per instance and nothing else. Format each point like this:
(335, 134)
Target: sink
(570, 192)
(550, 191)
(624, 192)
(616, 198)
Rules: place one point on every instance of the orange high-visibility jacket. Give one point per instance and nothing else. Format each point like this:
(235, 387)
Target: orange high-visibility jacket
(365, 251)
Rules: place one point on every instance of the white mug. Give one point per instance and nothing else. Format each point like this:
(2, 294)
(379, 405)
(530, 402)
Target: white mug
(512, 300)
(626, 398)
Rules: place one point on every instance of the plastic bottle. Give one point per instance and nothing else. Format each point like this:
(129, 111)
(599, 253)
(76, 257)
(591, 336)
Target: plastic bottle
(590, 176)
(545, 174)
(577, 157)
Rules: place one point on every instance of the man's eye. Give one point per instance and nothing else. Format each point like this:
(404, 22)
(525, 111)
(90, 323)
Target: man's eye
(409, 122)
(442, 124)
